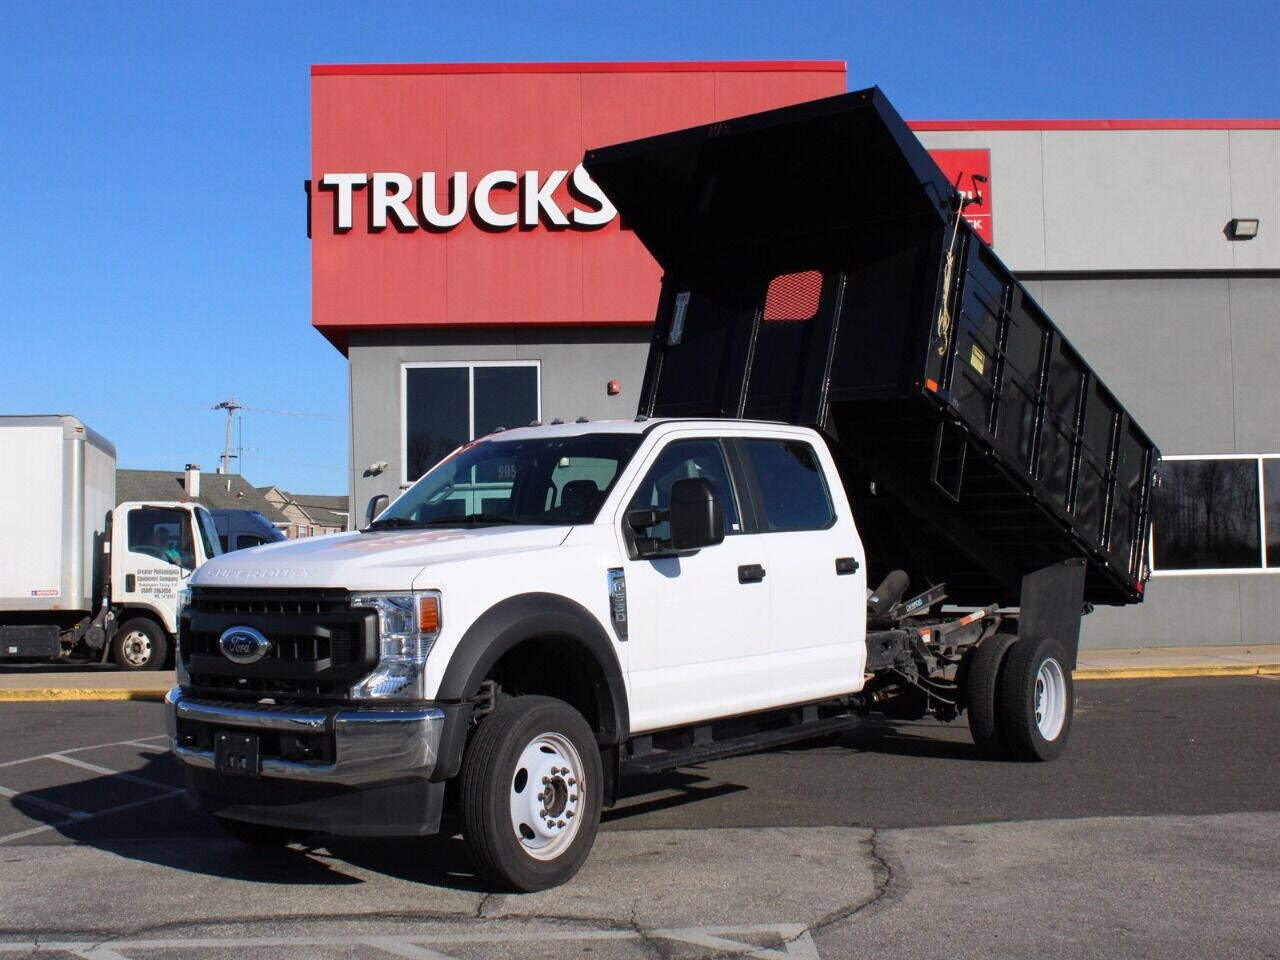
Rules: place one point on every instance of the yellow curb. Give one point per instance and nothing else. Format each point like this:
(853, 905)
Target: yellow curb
(49, 694)
(1198, 670)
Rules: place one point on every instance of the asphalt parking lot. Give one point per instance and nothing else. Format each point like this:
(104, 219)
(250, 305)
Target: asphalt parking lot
(1157, 834)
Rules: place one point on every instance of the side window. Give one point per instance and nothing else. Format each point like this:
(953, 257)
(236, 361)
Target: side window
(686, 458)
(162, 534)
(792, 487)
(246, 540)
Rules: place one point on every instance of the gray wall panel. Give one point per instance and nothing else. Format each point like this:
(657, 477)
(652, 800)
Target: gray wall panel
(1140, 200)
(1255, 192)
(1259, 608)
(1163, 347)
(1129, 200)
(1178, 612)
(1017, 189)
(1255, 358)
(575, 367)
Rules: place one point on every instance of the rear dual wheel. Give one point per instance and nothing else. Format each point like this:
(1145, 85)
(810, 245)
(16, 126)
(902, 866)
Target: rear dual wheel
(1020, 698)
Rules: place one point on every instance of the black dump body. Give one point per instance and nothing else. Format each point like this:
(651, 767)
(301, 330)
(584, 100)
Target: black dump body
(806, 280)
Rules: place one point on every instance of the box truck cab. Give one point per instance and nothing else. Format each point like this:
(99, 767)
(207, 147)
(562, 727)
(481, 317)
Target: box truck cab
(80, 576)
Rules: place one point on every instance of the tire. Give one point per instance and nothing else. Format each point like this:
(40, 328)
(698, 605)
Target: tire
(139, 644)
(1036, 699)
(259, 835)
(502, 787)
(983, 690)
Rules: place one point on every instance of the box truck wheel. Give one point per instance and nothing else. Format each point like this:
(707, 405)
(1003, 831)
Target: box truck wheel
(530, 791)
(983, 690)
(139, 644)
(1036, 699)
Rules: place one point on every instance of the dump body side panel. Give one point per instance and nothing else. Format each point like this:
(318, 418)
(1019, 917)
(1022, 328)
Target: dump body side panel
(818, 272)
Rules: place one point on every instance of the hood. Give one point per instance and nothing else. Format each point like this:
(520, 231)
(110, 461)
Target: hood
(383, 560)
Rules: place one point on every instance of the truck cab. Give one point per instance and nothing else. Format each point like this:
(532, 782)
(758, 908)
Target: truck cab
(155, 548)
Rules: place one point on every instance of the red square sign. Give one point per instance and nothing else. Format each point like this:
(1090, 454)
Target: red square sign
(963, 164)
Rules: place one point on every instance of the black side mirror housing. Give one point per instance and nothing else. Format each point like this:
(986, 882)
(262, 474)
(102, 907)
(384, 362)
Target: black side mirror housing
(376, 505)
(697, 519)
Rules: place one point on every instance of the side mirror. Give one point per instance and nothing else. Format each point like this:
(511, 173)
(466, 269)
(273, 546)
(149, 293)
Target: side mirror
(377, 504)
(696, 518)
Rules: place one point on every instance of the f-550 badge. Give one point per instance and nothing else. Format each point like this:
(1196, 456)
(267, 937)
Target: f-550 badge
(618, 601)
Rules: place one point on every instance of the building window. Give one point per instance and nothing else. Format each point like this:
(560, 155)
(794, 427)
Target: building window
(1216, 515)
(446, 405)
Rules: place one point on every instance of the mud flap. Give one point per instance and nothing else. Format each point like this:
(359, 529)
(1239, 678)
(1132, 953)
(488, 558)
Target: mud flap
(1052, 605)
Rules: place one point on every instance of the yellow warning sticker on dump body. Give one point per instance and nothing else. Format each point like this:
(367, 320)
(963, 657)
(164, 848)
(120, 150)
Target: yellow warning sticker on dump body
(977, 359)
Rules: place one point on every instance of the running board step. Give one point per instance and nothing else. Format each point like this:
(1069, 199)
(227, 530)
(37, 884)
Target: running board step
(658, 760)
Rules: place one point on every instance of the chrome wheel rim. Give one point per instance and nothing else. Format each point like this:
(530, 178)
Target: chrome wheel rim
(1051, 699)
(135, 648)
(546, 796)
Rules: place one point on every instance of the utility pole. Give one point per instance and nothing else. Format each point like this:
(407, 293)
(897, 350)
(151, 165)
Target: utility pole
(231, 406)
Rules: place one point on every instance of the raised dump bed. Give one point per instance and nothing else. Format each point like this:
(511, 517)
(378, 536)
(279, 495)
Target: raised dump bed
(817, 271)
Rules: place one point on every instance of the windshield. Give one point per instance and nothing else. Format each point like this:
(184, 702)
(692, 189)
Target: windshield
(208, 533)
(545, 480)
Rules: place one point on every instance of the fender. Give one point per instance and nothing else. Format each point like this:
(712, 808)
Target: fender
(124, 610)
(528, 615)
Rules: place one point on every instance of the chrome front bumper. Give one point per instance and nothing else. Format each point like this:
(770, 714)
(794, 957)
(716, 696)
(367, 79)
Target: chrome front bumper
(368, 745)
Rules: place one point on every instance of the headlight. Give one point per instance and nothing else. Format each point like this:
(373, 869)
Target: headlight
(408, 625)
(184, 597)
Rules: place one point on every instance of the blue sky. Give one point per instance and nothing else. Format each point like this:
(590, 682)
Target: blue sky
(153, 251)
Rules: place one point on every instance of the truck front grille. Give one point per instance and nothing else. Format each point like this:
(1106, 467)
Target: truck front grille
(320, 646)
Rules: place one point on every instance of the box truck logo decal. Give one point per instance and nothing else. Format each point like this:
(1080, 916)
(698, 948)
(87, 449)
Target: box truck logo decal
(45, 593)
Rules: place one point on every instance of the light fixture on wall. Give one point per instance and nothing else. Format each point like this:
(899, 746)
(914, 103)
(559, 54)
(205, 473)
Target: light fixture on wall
(1242, 228)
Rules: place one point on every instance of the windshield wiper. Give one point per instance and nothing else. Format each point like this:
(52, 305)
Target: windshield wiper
(470, 518)
(387, 523)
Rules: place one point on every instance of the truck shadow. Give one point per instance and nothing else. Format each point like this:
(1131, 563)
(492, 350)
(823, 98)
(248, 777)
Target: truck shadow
(138, 815)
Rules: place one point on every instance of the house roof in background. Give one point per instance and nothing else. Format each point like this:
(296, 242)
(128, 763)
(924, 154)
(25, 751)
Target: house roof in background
(217, 491)
(322, 509)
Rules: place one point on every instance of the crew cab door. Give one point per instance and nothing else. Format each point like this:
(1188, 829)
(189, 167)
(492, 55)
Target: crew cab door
(698, 637)
(816, 568)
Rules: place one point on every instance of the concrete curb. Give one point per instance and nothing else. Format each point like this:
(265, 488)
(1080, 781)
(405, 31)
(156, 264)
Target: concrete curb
(71, 693)
(1198, 670)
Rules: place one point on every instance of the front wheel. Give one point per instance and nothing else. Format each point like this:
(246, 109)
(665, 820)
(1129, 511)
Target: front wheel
(1036, 699)
(530, 790)
(139, 644)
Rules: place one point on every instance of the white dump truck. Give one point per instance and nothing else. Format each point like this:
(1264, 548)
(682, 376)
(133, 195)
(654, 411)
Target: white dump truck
(81, 577)
(845, 389)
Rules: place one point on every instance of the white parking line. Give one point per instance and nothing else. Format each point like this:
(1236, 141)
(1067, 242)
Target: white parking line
(82, 817)
(796, 943)
(49, 805)
(97, 746)
(94, 768)
(71, 815)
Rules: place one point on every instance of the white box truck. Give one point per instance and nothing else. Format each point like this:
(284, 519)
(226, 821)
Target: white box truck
(80, 576)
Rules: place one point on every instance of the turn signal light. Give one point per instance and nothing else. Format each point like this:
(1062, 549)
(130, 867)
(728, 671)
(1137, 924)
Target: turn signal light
(428, 614)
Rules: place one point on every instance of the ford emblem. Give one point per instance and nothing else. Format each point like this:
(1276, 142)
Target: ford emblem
(243, 645)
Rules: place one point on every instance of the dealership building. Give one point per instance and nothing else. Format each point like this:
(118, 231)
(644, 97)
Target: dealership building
(476, 277)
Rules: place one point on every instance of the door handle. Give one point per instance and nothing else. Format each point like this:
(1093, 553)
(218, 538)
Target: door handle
(846, 565)
(750, 573)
